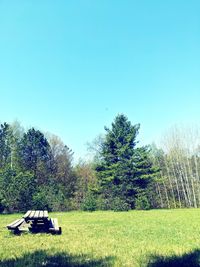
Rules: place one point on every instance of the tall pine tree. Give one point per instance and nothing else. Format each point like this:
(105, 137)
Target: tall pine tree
(124, 171)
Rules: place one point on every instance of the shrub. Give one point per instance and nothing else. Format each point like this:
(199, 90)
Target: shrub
(89, 203)
(142, 203)
(103, 203)
(60, 203)
(119, 204)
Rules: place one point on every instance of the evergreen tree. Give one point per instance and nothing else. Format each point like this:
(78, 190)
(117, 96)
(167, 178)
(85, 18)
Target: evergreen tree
(124, 171)
(35, 155)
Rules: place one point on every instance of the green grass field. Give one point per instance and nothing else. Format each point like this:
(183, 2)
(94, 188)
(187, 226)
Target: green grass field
(137, 238)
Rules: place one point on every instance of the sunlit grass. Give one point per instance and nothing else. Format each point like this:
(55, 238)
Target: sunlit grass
(126, 238)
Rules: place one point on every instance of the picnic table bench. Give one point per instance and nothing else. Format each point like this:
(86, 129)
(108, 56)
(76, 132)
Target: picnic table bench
(14, 226)
(38, 221)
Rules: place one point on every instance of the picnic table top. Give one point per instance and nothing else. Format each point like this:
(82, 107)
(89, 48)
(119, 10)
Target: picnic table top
(36, 214)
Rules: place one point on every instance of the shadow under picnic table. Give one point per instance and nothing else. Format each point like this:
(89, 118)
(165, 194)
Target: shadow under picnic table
(42, 258)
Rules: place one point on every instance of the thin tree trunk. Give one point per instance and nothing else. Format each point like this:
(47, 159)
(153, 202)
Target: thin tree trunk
(184, 169)
(184, 175)
(160, 195)
(192, 182)
(183, 187)
(166, 194)
(176, 182)
(197, 177)
(171, 186)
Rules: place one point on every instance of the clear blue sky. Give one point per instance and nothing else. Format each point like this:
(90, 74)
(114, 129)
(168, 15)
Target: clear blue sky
(69, 67)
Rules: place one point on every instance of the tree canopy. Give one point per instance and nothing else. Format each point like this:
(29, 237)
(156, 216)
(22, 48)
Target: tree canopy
(37, 170)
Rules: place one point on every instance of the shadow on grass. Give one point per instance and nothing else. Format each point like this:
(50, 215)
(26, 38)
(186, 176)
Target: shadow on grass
(43, 259)
(191, 259)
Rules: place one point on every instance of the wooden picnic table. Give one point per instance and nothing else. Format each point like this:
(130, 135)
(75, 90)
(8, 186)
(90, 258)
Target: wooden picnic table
(38, 221)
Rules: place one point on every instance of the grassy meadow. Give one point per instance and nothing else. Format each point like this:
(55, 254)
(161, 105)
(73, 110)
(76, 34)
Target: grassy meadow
(136, 238)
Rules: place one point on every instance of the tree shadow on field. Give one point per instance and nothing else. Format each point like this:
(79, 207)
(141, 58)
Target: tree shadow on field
(191, 259)
(43, 259)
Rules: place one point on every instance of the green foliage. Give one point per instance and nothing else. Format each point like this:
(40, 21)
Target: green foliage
(89, 202)
(112, 203)
(6, 138)
(1, 203)
(142, 203)
(35, 155)
(103, 203)
(58, 200)
(16, 189)
(119, 204)
(42, 199)
(124, 170)
(33, 173)
(86, 183)
(37, 173)
(7, 190)
(26, 185)
(61, 166)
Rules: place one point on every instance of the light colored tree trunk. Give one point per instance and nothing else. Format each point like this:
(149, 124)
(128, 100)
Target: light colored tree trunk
(166, 194)
(183, 185)
(160, 195)
(171, 186)
(176, 182)
(197, 178)
(184, 170)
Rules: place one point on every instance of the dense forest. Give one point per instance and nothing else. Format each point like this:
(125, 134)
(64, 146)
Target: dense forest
(37, 171)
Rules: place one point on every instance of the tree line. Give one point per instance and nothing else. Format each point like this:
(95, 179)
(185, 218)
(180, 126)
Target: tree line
(37, 171)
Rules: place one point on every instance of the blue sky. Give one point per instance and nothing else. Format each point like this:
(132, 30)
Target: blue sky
(69, 67)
